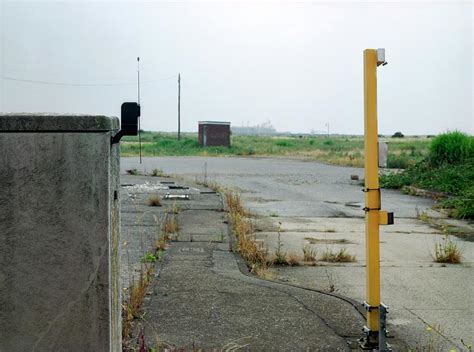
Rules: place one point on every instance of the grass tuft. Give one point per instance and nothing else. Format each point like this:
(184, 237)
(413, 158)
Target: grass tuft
(447, 252)
(294, 259)
(157, 173)
(309, 253)
(154, 201)
(170, 225)
(131, 307)
(342, 256)
(149, 258)
(254, 253)
(133, 172)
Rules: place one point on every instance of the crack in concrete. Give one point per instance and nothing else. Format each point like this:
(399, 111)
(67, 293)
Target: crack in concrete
(411, 311)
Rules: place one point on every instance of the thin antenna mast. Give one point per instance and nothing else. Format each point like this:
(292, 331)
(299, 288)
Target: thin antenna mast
(179, 106)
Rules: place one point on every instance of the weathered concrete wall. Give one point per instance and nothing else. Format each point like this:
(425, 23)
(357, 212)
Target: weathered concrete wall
(59, 234)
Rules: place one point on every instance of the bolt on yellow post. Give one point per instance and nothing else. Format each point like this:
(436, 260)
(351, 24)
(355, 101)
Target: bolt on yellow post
(375, 332)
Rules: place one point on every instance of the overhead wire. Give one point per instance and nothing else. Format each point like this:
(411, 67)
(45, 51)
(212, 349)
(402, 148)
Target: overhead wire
(69, 84)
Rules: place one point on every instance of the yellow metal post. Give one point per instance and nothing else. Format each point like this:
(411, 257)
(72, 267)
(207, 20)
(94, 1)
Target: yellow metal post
(372, 196)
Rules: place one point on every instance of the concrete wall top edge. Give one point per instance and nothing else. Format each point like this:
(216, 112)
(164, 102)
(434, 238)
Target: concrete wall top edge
(48, 122)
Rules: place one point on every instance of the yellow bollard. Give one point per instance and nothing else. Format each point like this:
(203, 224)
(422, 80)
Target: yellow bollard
(373, 215)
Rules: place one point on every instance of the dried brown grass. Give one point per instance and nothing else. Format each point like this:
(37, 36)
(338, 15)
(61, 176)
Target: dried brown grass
(136, 294)
(293, 259)
(170, 224)
(251, 250)
(309, 253)
(154, 201)
(341, 256)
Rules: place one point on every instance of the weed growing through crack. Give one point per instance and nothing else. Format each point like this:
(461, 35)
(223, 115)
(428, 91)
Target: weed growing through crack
(175, 209)
(423, 216)
(280, 254)
(447, 251)
(131, 307)
(212, 185)
(341, 256)
(331, 283)
(154, 201)
(293, 259)
(160, 244)
(157, 173)
(309, 253)
(466, 345)
(255, 255)
(149, 258)
(133, 172)
(430, 342)
(170, 225)
(138, 286)
(234, 204)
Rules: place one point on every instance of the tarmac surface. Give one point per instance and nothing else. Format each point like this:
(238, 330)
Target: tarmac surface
(430, 304)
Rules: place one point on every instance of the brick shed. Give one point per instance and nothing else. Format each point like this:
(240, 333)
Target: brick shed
(214, 133)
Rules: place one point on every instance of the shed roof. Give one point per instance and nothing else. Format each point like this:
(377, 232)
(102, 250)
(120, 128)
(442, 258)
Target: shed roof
(214, 123)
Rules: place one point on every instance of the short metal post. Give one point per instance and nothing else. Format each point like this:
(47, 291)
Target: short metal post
(383, 345)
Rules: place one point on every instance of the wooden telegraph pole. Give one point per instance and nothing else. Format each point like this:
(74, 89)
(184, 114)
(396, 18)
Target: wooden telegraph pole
(139, 118)
(179, 106)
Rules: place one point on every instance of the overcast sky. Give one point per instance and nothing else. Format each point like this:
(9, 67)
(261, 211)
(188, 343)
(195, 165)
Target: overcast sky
(297, 64)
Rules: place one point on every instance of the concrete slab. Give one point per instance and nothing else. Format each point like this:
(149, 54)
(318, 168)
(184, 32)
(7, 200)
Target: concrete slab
(312, 200)
(201, 299)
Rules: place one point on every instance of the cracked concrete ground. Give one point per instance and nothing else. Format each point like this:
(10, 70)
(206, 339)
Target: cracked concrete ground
(202, 295)
(314, 200)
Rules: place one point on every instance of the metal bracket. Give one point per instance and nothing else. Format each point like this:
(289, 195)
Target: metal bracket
(130, 112)
(369, 209)
(368, 307)
(376, 340)
(370, 189)
(383, 332)
(365, 190)
(369, 341)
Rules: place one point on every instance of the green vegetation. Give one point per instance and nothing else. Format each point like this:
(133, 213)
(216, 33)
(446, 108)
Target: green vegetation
(149, 258)
(133, 172)
(157, 172)
(342, 256)
(448, 168)
(447, 252)
(347, 151)
(398, 135)
(309, 253)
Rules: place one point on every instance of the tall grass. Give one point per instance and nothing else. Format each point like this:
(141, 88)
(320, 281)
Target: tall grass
(252, 251)
(448, 168)
(451, 148)
(447, 252)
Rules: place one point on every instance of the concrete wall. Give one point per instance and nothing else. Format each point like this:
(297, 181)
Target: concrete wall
(59, 234)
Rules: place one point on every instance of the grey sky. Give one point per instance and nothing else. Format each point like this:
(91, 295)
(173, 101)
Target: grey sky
(298, 64)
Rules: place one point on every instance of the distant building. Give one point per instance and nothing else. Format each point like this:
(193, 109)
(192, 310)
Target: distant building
(214, 133)
(265, 128)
